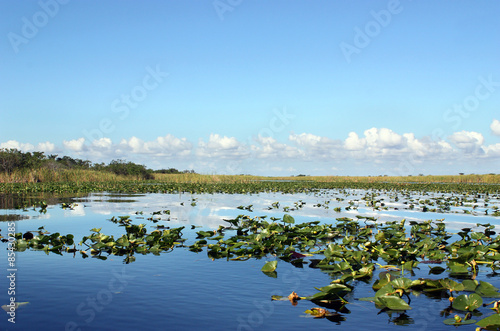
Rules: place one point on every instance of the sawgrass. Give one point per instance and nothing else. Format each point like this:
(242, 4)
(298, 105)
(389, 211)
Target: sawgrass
(81, 175)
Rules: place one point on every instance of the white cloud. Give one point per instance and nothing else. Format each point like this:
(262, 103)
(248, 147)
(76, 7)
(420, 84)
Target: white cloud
(46, 147)
(377, 149)
(166, 146)
(468, 141)
(495, 127)
(75, 145)
(170, 145)
(383, 138)
(270, 148)
(13, 144)
(306, 139)
(414, 145)
(354, 143)
(102, 143)
(492, 150)
(221, 147)
(134, 145)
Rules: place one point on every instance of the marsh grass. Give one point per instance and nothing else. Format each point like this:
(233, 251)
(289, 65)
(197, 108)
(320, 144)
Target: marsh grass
(199, 178)
(61, 175)
(470, 179)
(83, 175)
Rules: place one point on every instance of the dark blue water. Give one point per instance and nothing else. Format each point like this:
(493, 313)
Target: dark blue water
(182, 290)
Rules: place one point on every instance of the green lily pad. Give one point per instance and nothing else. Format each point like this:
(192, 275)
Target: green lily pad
(402, 283)
(467, 302)
(334, 288)
(288, 219)
(392, 302)
(452, 321)
(451, 285)
(270, 266)
(485, 289)
(490, 321)
(470, 285)
(385, 290)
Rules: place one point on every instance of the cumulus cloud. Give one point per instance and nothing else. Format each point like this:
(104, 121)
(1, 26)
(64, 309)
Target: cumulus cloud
(383, 138)
(221, 147)
(468, 141)
(268, 147)
(134, 145)
(75, 145)
(354, 143)
(492, 150)
(166, 146)
(316, 146)
(170, 145)
(495, 127)
(381, 147)
(414, 145)
(46, 147)
(102, 143)
(13, 144)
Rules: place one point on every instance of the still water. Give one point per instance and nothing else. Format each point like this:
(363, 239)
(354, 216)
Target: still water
(182, 290)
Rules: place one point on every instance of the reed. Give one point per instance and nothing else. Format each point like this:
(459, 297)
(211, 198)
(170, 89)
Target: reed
(62, 175)
(84, 175)
(470, 179)
(199, 178)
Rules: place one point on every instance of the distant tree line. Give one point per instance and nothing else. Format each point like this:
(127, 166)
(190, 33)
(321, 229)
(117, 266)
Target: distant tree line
(13, 159)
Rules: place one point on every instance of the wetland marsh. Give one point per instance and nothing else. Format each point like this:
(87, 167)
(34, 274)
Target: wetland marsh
(263, 255)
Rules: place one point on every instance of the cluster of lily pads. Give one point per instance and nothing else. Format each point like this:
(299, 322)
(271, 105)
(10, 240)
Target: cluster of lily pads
(350, 251)
(136, 240)
(234, 188)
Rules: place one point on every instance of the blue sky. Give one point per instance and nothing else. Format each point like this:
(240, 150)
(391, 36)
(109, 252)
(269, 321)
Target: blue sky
(270, 88)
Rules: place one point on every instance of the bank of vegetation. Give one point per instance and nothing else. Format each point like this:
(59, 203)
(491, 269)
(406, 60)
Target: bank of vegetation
(36, 167)
(31, 167)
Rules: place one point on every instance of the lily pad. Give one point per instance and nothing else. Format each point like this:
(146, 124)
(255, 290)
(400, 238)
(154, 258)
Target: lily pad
(467, 302)
(16, 305)
(490, 321)
(288, 219)
(402, 283)
(452, 321)
(392, 302)
(270, 266)
(485, 289)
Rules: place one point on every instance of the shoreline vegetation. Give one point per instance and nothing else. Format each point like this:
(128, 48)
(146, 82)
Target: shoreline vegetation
(36, 167)
(88, 175)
